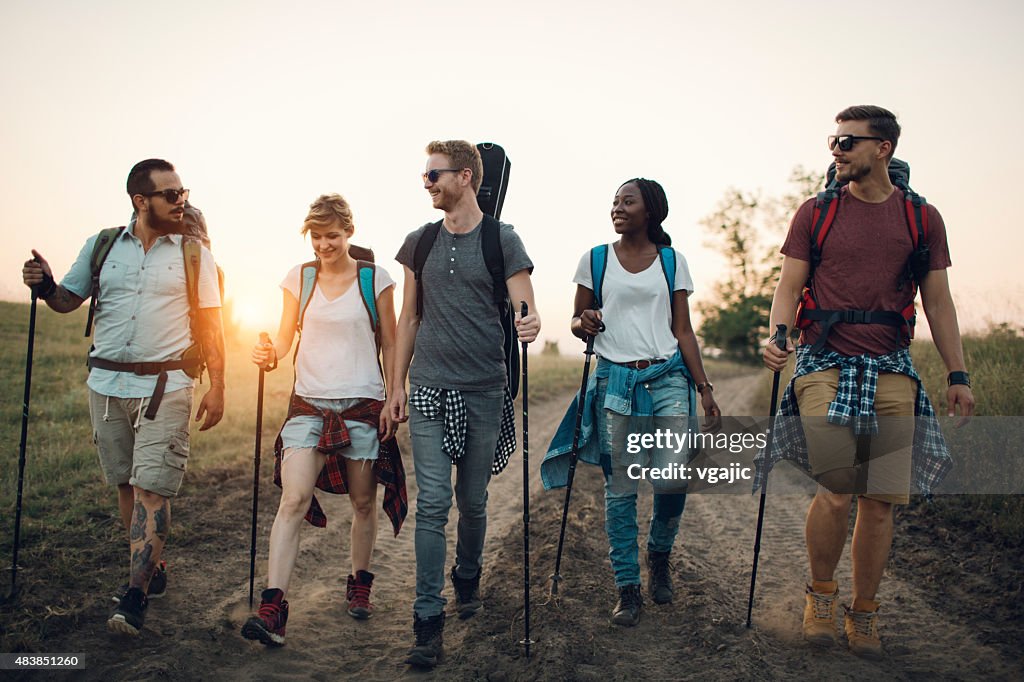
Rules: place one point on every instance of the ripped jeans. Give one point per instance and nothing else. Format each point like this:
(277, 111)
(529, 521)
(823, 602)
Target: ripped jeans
(670, 394)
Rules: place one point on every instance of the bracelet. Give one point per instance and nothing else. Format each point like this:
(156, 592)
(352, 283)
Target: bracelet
(958, 379)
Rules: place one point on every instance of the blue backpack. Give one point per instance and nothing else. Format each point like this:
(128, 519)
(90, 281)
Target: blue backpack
(599, 263)
(366, 279)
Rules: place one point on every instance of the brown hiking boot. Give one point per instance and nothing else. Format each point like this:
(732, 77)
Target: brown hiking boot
(862, 633)
(820, 618)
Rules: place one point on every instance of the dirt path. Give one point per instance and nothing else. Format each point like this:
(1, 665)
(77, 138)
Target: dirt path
(193, 632)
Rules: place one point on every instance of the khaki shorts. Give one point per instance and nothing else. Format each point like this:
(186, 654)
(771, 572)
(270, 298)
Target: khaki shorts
(883, 471)
(153, 455)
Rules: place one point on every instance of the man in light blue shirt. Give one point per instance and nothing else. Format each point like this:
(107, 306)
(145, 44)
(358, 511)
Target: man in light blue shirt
(146, 350)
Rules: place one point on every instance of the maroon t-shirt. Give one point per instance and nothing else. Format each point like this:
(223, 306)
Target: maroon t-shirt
(863, 257)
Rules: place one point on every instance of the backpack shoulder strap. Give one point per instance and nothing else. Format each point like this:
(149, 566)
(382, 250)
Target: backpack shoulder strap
(494, 257)
(419, 259)
(825, 206)
(191, 251)
(917, 216)
(598, 265)
(308, 277)
(100, 250)
(366, 273)
(667, 255)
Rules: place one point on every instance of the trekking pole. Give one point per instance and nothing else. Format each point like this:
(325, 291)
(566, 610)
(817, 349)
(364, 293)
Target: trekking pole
(780, 341)
(556, 577)
(526, 500)
(264, 340)
(24, 441)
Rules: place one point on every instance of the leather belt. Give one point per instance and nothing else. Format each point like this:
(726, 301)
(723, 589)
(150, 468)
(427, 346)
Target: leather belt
(642, 364)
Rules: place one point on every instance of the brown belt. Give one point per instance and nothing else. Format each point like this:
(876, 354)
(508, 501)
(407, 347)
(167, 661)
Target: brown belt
(159, 369)
(641, 364)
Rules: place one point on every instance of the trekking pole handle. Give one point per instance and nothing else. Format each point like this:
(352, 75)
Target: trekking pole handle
(524, 310)
(265, 341)
(780, 336)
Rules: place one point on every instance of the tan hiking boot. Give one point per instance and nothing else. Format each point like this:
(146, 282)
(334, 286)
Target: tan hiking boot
(862, 633)
(820, 618)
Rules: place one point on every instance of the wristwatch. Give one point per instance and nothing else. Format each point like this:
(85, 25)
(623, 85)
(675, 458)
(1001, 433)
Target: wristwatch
(706, 384)
(959, 378)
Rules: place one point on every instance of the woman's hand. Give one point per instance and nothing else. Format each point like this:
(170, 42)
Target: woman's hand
(263, 353)
(712, 413)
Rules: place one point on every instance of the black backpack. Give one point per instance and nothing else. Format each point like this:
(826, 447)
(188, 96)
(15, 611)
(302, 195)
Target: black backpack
(490, 244)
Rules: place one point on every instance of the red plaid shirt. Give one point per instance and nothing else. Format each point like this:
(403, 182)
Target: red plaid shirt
(333, 478)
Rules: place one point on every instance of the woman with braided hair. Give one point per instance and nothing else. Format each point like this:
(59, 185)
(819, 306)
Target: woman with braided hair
(632, 296)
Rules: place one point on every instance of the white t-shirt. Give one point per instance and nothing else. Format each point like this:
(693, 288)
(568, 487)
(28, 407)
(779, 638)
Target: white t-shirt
(338, 354)
(637, 310)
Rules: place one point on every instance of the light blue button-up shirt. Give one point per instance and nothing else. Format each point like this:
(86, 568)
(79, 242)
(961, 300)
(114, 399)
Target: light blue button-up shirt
(142, 311)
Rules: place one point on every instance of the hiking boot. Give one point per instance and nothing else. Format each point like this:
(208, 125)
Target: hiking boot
(130, 613)
(467, 595)
(820, 617)
(358, 593)
(862, 633)
(157, 584)
(268, 624)
(627, 610)
(429, 641)
(659, 580)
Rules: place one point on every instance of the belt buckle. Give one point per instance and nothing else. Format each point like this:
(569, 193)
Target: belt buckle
(642, 364)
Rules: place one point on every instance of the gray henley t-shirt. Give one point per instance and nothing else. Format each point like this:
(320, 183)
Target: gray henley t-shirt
(459, 342)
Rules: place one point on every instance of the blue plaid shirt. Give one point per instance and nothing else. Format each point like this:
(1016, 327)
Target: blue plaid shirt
(855, 407)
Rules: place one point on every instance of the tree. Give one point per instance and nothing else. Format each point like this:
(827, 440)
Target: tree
(746, 228)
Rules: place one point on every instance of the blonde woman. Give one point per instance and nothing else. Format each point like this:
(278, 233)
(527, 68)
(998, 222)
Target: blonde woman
(337, 436)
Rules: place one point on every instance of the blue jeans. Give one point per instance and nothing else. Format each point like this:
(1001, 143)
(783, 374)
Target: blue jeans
(434, 497)
(671, 407)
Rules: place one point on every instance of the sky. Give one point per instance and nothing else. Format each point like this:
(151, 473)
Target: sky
(262, 106)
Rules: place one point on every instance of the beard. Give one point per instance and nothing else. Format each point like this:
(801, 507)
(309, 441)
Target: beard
(169, 225)
(854, 173)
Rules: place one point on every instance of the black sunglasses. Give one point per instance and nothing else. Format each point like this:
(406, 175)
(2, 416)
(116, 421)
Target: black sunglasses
(846, 142)
(434, 175)
(169, 195)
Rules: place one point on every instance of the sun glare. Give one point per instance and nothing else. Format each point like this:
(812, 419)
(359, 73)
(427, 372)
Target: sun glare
(252, 314)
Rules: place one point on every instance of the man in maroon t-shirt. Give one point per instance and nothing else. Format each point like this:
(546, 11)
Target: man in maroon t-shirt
(862, 263)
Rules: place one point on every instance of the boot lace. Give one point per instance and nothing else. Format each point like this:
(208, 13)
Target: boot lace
(360, 596)
(660, 567)
(823, 606)
(270, 614)
(863, 623)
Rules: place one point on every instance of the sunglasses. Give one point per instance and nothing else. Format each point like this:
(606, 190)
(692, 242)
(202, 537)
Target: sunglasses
(434, 175)
(846, 142)
(169, 195)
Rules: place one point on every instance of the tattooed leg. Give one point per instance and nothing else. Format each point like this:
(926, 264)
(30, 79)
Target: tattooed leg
(151, 521)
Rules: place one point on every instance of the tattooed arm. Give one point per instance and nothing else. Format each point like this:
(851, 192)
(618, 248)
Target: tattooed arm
(36, 273)
(212, 340)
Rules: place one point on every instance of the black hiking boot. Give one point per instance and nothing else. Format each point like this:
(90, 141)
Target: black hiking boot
(429, 641)
(659, 579)
(130, 613)
(627, 610)
(467, 595)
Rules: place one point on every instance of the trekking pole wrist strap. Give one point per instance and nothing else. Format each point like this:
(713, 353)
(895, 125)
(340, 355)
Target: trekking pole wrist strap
(958, 379)
(46, 288)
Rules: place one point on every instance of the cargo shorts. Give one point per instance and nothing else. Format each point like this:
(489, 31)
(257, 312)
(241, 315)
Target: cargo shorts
(150, 454)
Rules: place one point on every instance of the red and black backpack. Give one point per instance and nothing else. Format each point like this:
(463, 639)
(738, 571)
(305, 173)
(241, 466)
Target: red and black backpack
(825, 207)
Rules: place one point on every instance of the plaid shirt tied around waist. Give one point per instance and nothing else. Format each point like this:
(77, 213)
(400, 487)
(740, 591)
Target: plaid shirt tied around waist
(428, 399)
(854, 406)
(387, 468)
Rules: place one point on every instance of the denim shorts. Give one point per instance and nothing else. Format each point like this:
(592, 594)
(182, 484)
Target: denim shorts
(304, 431)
